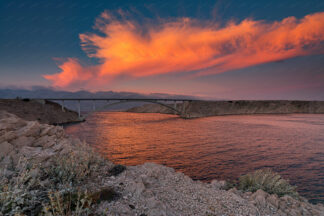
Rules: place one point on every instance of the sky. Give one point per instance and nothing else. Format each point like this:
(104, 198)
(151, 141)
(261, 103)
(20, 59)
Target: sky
(213, 49)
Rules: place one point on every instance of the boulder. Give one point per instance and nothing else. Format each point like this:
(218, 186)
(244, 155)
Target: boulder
(273, 200)
(44, 141)
(9, 121)
(156, 207)
(116, 170)
(104, 194)
(6, 148)
(8, 136)
(31, 129)
(218, 184)
(23, 141)
(259, 198)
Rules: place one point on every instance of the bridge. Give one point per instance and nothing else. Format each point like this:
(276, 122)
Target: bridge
(172, 105)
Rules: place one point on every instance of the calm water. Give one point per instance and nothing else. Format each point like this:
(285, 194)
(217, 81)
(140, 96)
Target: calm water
(222, 147)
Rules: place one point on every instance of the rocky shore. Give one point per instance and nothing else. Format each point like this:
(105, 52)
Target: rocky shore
(196, 109)
(45, 172)
(42, 111)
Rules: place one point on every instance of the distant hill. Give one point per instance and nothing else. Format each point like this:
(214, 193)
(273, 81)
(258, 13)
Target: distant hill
(41, 92)
(240, 107)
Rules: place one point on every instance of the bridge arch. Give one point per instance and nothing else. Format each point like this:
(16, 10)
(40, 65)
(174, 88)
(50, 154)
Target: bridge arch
(122, 100)
(169, 106)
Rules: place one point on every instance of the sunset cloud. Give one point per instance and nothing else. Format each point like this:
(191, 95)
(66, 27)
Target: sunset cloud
(130, 49)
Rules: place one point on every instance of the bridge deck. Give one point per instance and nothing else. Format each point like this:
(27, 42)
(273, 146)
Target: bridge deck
(151, 100)
(120, 99)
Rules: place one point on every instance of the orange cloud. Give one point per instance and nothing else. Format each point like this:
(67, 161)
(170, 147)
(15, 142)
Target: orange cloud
(185, 45)
(73, 73)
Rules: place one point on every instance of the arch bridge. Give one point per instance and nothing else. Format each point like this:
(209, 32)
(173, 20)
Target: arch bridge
(172, 105)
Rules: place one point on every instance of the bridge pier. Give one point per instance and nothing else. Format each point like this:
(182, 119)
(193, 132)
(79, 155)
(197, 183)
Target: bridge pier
(184, 113)
(79, 109)
(63, 106)
(175, 107)
(93, 105)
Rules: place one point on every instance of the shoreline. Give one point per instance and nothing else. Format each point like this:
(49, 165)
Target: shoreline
(42, 111)
(301, 176)
(222, 115)
(196, 109)
(149, 189)
(70, 123)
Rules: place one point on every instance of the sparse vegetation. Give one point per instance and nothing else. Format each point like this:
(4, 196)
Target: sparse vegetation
(68, 203)
(73, 168)
(21, 190)
(268, 181)
(31, 189)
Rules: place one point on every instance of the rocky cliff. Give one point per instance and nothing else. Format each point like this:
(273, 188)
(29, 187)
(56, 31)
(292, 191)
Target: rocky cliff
(45, 172)
(39, 110)
(241, 107)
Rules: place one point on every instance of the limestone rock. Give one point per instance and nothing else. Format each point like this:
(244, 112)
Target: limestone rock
(218, 184)
(273, 200)
(38, 142)
(8, 136)
(104, 194)
(6, 148)
(260, 198)
(31, 129)
(23, 141)
(116, 170)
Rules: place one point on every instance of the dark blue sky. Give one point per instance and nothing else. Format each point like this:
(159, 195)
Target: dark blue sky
(34, 32)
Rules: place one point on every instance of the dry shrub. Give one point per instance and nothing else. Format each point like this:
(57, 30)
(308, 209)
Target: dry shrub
(31, 189)
(68, 203)
(21, 192)
(73, 168)
(268, 181)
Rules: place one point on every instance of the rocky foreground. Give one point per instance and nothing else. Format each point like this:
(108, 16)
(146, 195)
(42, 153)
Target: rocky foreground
(43, 111)
(45, 172)
(196, 109)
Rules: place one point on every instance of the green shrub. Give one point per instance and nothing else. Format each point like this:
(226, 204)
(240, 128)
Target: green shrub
(268, 181)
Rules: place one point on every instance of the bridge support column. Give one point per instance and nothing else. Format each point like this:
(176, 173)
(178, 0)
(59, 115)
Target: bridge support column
(184, 109)
(79, 109)
(93, 105)
(63, 106)
(175, 107)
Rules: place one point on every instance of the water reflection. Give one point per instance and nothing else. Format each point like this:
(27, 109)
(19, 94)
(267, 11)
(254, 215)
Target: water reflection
(221, 147)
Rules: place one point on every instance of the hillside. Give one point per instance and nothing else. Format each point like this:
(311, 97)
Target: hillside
(39, 110)
(241, 107)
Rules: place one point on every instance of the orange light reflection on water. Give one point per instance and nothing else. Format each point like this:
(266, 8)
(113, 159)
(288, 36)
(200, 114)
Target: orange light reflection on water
(222, 147)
